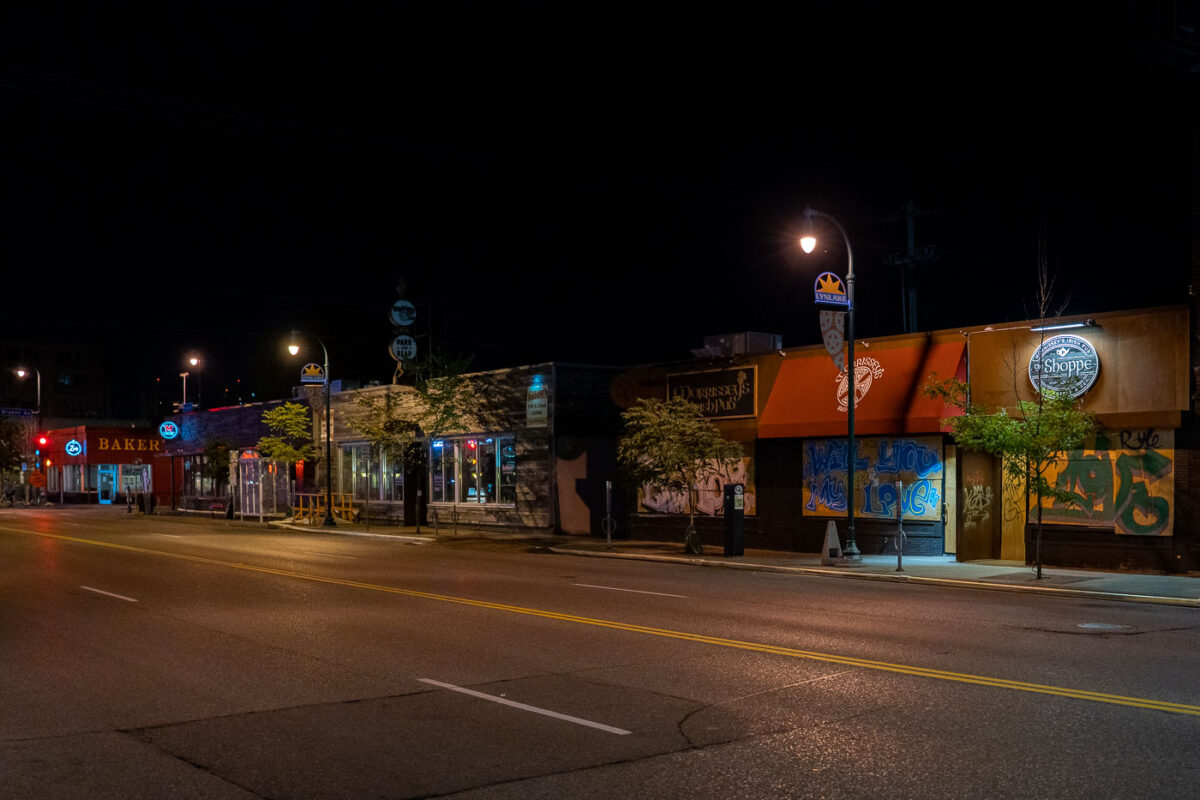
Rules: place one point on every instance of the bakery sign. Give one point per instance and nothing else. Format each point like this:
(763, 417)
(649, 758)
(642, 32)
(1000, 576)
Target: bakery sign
(1065, 365)
(725, 393)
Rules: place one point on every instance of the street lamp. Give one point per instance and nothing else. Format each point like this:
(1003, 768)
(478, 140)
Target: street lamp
(194, 362)
(21, 373)
(183, 405)
(294, 348)
(808, 243)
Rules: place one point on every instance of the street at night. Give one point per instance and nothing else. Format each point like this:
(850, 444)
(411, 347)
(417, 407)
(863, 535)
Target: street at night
(154, 656)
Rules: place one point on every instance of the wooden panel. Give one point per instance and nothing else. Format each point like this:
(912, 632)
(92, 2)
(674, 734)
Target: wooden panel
(1012, 537)
(950, 499)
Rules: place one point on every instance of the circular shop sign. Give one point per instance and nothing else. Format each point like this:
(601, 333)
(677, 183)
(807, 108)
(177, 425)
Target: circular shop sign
(73, 448)
(403, 313)
(403, 348)
(1064, 364)
(168, 430)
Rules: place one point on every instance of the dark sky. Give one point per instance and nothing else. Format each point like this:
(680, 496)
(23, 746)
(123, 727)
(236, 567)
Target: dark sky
(596, 183)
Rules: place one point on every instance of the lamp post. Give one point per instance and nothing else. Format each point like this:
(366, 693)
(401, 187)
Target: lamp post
(294, 348)
(808, 243)
(194, 363)
(21, 373)
(183, 405)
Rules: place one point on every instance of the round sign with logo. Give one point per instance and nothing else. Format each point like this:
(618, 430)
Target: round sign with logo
(403, 313)
(73, 447)
(1064, 364)
(403, 348)
(168, 430)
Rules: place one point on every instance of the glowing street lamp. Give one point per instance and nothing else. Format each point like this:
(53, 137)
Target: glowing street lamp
(294, 349)
(808, 242)
(22, 372)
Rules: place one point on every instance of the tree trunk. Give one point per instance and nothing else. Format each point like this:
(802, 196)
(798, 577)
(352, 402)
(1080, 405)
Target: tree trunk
(691, 542)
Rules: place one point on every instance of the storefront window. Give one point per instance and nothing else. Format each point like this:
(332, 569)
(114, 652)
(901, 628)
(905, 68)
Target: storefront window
(508, 470)
(195, 484)
(366, 476)
(71, 478)
(473, 470)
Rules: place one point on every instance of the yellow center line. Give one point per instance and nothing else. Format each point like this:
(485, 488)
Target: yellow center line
(758, 647)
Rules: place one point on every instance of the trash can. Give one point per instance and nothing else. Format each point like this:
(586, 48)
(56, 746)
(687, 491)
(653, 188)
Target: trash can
(735, 510)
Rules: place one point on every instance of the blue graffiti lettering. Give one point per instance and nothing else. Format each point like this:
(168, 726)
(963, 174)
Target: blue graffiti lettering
(828, 491)
(906, 455)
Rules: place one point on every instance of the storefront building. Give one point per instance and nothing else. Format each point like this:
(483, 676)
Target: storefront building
(191, 442)
(788, 410)
(88, 464)
(534, 457)
(1133, 495)
(1133, 488)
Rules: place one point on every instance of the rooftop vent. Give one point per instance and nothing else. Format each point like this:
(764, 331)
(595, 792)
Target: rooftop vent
(739, 344)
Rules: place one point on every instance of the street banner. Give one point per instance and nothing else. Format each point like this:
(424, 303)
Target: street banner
(833, 332)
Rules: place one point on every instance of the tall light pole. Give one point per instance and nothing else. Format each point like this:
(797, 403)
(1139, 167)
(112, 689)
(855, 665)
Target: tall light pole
(808, 243)
(294, 348)
(21, 373)
(194, 362)
(183, 405)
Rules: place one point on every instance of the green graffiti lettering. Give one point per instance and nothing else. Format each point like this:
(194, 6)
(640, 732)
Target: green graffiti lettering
(1089, 479)
(1133, 497)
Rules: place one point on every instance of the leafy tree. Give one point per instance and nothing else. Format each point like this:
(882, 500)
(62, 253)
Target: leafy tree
(671, 447)
(401, 419)
(216, 462)
(290, 438)
(12, 450)
(1031, 435)
(1028, 438)
(389, 424)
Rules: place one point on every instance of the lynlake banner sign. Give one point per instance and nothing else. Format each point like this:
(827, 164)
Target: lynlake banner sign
(723, 393)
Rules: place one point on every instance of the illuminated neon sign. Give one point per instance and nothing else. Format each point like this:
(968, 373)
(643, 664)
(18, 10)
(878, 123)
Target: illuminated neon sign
(168, 430)
(73, 448)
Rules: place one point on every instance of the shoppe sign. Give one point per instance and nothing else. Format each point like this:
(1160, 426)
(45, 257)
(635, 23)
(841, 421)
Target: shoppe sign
(73, 447)
(168, 430)
(723, 393)
(1064, 364)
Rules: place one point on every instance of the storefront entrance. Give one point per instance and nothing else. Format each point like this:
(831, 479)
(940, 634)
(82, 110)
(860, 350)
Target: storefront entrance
(107, 483)
(135, 478)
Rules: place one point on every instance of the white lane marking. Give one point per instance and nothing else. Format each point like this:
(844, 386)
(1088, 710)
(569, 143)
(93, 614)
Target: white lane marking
(327, 555)
(635, 591)
(109, 594)
(169, 535)
(523, 707)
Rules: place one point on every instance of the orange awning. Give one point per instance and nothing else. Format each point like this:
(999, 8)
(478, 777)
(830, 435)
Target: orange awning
(805, 398)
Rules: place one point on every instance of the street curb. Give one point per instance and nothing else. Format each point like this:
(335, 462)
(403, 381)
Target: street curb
(959, 583)
(395, 537)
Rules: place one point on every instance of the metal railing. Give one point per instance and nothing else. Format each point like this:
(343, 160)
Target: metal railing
(311, 507)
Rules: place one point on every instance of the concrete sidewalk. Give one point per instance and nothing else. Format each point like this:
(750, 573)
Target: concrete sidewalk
(1009, 576)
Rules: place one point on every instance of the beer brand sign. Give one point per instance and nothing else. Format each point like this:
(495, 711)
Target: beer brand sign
(1065, 365)
(724, 393)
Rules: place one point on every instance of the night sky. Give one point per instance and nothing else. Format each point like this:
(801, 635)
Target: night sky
(592, 183)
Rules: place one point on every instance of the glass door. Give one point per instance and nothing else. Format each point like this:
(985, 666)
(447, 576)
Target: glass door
(107, 482)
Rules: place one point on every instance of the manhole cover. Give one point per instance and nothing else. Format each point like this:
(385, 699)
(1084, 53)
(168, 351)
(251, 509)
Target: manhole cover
(1102, 626)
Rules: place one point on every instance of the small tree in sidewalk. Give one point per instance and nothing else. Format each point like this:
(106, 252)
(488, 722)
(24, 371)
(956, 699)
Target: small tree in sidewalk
(670, 447)
(1028, 438)
(290, 439)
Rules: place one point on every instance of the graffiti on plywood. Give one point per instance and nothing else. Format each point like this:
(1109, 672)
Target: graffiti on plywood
(710, 495)
(878, 464)
(1124, 481)
(977, 501)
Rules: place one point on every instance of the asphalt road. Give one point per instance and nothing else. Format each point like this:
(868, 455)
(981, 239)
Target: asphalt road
(154, 657)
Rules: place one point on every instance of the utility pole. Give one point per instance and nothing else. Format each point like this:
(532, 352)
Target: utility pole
(908, 261)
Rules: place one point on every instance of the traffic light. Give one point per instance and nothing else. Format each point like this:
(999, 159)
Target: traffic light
(39, 441)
